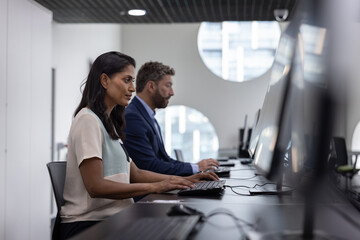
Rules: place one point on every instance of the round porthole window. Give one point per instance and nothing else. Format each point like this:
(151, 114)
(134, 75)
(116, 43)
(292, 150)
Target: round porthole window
(238, 51)
(355, 145)
(188, 130)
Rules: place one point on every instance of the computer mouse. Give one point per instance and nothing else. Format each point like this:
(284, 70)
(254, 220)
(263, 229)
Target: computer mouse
(182, 210)
(246, 161)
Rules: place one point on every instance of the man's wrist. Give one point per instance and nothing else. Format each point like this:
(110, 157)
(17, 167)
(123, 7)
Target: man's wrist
(195, 167)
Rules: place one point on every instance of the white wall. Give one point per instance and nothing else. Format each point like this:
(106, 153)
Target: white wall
(353, 90)
(3, 45)
(74, 46)
(224, 103)
(25, 105)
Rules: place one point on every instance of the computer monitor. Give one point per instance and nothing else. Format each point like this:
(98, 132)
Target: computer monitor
(306, 123)
(305, 126)
(242, 139)
(297, 113)
(292, 118)
(267, 161)
(245, 134)
(179, 155)
(254, 136)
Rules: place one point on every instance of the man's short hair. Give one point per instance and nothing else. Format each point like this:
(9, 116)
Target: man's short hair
(152, 71)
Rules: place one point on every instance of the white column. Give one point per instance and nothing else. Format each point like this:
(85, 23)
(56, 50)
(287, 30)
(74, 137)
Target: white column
(3, 73)
(27, 120)
(40, 129)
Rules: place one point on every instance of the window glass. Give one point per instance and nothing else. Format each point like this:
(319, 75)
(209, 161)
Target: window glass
(355, 143)
(238, 51)
(189, 130)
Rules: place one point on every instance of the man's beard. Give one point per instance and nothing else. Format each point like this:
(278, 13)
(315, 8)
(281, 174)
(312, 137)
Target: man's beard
(160, 101)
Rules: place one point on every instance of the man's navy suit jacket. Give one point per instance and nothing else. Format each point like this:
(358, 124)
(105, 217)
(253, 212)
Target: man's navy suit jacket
(145, 147)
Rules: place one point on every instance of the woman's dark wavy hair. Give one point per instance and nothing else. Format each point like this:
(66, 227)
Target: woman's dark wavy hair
(94, 93)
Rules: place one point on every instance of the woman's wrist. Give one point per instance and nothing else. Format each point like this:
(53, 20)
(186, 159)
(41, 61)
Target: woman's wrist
(154, 187)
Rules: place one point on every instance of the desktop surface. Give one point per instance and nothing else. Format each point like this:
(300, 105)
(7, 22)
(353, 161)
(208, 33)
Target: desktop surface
(260, 220)
(268, 213)
(242, 180)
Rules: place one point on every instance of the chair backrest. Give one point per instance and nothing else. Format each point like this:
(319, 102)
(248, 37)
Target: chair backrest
(57, 171)
(179, 155)
(339, 146)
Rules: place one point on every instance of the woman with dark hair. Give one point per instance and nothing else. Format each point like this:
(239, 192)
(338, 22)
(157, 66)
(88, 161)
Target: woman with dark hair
(101, 179)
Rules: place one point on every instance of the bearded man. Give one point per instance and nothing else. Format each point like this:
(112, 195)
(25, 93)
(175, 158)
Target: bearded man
(143, 140)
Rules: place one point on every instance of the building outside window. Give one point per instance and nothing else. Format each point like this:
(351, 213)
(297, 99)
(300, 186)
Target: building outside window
(238, 51)
(189, 130)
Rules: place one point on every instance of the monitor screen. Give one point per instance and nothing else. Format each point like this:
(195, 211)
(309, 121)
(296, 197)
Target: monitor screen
(273, 106)
(244, 132)
(254, 134)
(303, 124)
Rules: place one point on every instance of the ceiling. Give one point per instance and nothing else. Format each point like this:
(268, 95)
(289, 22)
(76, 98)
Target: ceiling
(165, 11)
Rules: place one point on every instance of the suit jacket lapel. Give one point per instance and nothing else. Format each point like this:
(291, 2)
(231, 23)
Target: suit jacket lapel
(143, 112)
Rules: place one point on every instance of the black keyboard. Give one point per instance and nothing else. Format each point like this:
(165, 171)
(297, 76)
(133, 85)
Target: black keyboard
(204, 189)
(221, 171)
(159, 228)
(226, 164)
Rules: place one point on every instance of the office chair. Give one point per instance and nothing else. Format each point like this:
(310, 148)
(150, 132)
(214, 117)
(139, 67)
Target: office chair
(179, 155)
(339, 145)
(57, 171)
(338, 160)
(242, 153)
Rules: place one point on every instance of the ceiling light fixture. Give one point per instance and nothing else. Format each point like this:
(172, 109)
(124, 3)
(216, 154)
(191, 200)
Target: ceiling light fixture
(137, 12)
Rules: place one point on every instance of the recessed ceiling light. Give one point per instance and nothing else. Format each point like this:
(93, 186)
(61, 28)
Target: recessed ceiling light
(137, 12)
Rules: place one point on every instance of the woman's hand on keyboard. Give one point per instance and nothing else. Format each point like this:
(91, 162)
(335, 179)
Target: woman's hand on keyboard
(172, 183)
(203, 175)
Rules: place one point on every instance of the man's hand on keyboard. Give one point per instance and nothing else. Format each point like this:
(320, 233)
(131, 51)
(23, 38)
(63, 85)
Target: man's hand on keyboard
(203, 175)
(206, 164)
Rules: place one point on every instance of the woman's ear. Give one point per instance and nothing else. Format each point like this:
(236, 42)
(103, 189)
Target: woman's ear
(104, 80)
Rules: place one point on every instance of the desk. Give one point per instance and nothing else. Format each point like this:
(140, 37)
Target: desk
(334, 216)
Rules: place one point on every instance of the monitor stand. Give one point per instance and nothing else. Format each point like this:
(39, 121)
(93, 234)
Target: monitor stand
(272, 189)
(306, 233)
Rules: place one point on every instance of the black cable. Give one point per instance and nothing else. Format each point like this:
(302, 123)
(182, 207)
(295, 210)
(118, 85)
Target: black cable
(228, 212)
(257, 185)
(236, 220)
(241, 194)
(294, 234)
(244, 178)
(261, 185)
